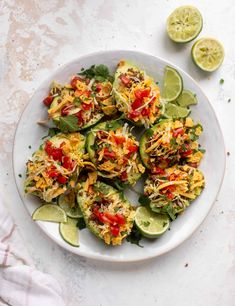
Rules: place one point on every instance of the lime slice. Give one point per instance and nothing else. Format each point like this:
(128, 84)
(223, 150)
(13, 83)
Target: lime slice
(186, 98)
(69, 231)
(69, 204)
(174, 111)
(172, 84)
(184, 24)
(150, 224)
(50, 212)
(208, 54)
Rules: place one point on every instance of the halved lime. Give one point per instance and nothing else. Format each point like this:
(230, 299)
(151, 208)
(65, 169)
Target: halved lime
(69, 204)
(208, 54)
(172, 84)
(150, 224)
(174, 111)
(69, 231)
(186, 98)
(50, 212)
(184, 24)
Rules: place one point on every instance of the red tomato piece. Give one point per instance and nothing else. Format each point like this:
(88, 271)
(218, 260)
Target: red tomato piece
(119, 139)
(62, 179)
(179, 131)
(112, 218)
(125, 80)
(121, 219)
(170, 195)
(67, 163)
(48, 100)
(114, 229)
(86, 107)
(158, 170)
(52, 172)
(142, 93)
(133, 114)
(65, 110)
(109, 154)
(124, 176)
(132, 148)
(186, 153)
(74, 80)
(98, 87)
(136, 104)
(145, 112)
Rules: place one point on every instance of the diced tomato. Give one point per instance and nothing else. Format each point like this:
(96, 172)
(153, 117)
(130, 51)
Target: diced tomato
(74, 80)
(52, 173)
(194, 165)
(158, 170)
(145, 112)
(65, 110)
(48, 147)
(86, 107)
(112, 218)
(124, 176)
(62, 179)
(114, 230)
(136, 104)
(87, 93)
(170, 195)
(121, 219)
(125, 80)
(80, 117)
(170, 188)
(186, 153)
(133, 114)
(67, 163)
(48, 100)
(98, 87)
(119, 139)
(132, 148)
(57, 154)
(179, 131)
(142, 93)
(109, 154)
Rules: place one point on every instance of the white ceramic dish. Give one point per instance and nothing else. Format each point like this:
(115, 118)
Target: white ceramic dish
(213, 164)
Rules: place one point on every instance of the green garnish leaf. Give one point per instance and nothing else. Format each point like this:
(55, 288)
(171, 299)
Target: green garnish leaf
(53, 131)
(81, 223)
(77, 101)
(143, 200)
(221, 81)
(145, 223)
(100, 73)
(134, 237)
(68, 123)
(202, 150)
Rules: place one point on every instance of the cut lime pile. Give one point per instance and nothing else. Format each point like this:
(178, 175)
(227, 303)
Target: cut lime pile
(184, 24)
(172, 84)
(69, 231)
(208, 54)
(50, 212)
(150, 224)
(186, 99)
(68, 203)
(174, 111)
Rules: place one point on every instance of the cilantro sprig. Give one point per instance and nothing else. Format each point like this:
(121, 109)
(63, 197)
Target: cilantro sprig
(100, 73)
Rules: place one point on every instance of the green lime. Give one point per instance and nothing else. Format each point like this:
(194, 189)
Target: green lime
(184, 24)
(69, 231)
(150, 224)
(174, 111)
(208, 54)
(50, 212)
(69, 204)
(172, 84)
(186, 98)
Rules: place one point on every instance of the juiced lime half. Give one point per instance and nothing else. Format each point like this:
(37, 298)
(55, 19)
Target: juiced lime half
(208, 54)
(50, 212)
(150, 224)
(184, 24)
(172, 84)
(174, 111)
(69, 204)
(186, 98)
(69, 231)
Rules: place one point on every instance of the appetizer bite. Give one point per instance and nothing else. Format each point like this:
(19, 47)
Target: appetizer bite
(114, 152)
(169, 142)
(137, 95)
(55, 166)
(172, 191)
(83, 102)
(106, 212)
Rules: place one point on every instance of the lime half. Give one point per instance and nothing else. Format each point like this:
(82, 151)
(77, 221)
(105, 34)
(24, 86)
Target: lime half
(69, 231)
(186, 98)
(50, 212)
(184, 24)
(208, 54)
(69, 204)
(172, 84)
(150, 224)
(174, 111)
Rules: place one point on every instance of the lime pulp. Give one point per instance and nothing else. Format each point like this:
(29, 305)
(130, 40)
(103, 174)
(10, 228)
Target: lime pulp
(50, 212)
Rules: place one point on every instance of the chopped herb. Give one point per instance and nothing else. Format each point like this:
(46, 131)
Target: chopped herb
(221, 81)
(229, 100)
(164, 224)
(145, 223)
(29, 147)
(143, 200)
(77, 101)
(202, 150)
(81, 223)
(53, 131)
(194, 95)
(119, 185)
(68, 123)
(134, 237)
(173, 142)
(157, 83)
(20, 175)
(149, 132)
(94, 147)
(100, 73)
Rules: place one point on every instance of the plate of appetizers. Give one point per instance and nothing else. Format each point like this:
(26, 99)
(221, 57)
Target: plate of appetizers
(118, 156)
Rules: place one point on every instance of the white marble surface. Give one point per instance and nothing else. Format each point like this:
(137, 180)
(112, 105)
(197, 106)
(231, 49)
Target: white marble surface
(37, 37)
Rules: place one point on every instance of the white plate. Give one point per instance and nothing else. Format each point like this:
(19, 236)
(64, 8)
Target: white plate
(213, 164)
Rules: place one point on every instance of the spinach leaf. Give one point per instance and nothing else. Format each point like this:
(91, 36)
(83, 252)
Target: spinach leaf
(68, 123)
(134, 237)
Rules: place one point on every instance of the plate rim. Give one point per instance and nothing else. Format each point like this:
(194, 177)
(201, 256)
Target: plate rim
(99, 256)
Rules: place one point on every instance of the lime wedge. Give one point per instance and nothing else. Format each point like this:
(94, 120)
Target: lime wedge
(208, 54)
(184, 24)
(172, 84)
(186, 98)
(150, 224)
(50, 212)
(174, 111)
(69, 204)
(69, 232)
